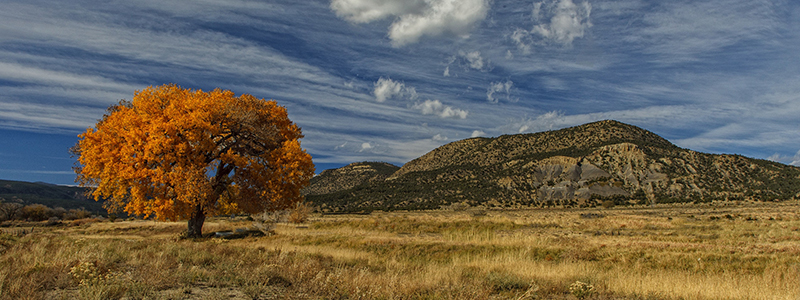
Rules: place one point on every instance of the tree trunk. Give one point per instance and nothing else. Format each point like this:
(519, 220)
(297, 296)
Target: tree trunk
(196, 223)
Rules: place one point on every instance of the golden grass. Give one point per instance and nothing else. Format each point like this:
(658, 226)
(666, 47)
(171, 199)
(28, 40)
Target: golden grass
(719, 251)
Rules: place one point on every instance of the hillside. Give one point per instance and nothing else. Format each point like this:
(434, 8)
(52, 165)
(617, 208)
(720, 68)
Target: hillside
(48, 194)
(349, 176)
(577, 166)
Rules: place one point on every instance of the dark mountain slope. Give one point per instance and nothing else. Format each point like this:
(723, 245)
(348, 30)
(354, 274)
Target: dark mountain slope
(48, 194)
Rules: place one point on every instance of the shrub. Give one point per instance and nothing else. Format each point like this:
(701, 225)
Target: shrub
(9, 211)
(36, 212)
(457, 206)
(77, 214)
(265, 221)
(581, 289)
(59, 212)
(93, 284)
(53, 221)
(608, 204)
(300, 213)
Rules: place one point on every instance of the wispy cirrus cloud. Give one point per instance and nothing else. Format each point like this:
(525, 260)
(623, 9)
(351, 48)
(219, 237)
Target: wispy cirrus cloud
(715, 76)
(684, 31)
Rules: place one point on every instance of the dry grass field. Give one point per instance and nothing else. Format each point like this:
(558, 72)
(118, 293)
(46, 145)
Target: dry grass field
(711, 251)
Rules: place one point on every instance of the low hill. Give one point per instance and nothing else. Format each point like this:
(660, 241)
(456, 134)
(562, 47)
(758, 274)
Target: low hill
(349, 176)
(48, 194)
(578, 166)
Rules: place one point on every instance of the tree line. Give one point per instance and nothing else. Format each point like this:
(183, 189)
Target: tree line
(38, 212)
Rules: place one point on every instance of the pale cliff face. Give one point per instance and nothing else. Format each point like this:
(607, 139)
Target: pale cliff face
(579, 166)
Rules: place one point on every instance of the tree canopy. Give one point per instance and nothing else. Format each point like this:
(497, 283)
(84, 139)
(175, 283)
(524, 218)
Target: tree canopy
(175, 153)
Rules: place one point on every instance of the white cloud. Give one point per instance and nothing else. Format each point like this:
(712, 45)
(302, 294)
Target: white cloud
(435, 107)
(365, 147)
(548, 121)
(478, 133)
(569, 21)
(789, 160)
(415, 18)
(439, 137)
(364, 11)
(50, 117)
(474, 58)
(340, 146)
(468, 60)
(559, 21)
(499, 87)
(36, 75)
(386, 88)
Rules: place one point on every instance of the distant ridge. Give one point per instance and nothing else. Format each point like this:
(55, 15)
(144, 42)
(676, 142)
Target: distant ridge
(349, 176)
(51, 195)
(577, 166)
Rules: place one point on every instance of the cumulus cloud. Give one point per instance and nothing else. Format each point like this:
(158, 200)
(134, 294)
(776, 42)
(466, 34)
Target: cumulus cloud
(558, 21)
(386, 88)
(435, 107)
(415, 18)
(499, 87)
(789, 160)
(365, 147)
(439, 137)
(474, 58)
(468, 60)
(548, 121)
(478, 133)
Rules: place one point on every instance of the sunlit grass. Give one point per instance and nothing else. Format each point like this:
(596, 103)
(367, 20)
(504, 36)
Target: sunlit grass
(744, 251)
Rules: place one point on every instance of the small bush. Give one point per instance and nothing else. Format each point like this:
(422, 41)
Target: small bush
(10, 211)
(581, 289)
(501, 281)
(265, 221)
(59, 212)
(93, 284)
(300, 213)
(457, 206)
(53, 221)
(36, 212)
(609, 204)
(76, 214)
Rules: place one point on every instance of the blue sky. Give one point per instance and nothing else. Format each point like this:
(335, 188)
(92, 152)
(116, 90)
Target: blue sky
(383, 80)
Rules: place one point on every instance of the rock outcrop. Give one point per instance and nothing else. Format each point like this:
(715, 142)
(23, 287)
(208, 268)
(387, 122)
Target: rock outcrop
(577, 166)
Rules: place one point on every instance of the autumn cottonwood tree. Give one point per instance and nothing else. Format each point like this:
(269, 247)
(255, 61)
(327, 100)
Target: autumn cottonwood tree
(175, 153)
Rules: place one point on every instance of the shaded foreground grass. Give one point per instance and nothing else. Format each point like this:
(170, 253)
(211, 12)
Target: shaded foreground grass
(742, 251)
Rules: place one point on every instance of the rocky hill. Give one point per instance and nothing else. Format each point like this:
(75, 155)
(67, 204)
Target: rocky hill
(578, 166)
(349, 176)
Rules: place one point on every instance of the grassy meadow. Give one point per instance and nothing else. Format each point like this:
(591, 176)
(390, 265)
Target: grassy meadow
(709, 251)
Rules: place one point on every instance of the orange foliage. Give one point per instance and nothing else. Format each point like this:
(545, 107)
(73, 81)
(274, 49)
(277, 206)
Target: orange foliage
(170, 151)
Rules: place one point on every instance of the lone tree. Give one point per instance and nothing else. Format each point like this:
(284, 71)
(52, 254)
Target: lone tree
(177, 154)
